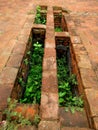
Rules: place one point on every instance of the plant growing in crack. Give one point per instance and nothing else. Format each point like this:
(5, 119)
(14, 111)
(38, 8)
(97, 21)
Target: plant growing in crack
(13, 119)
(39, 19)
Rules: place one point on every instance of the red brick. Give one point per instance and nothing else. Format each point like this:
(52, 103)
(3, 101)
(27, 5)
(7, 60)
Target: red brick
(50, 53)
(50, 34)
(49, 43)
(49, 63)
(27, 128)
(27, 110)
(15, 60)
(79, 49)
(8, 75)
(49, 125)
(92, 96)
(89, 79)
(3, 59)
(75, 40)
(24, 35)
(19, 49)
(49, 82)
(5, 92)
(75, 128)
(95, 122)
(70, 23)
(29, 20)
(10, 45)
(49, 106)
(72, 30)
(62, 34)
(83, 61)
(50, 17)
(39, 26)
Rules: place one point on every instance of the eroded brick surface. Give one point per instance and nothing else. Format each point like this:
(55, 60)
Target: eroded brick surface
(19, 49)
(49, 95)
(8, 75)
(49, 81)
(15, 60)
(92, 96)
(89, 79)
(83, 61)
(75, 128)
(27, 128)
(49, 106)
(29, 111)
(49, 125)
(95, 122)
(5, 92)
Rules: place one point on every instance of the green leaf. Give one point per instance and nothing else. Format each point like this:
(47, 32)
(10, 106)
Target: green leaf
(62, 94)
(61, 100)
(72, 109)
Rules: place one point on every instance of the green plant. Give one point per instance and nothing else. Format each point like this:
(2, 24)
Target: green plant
(66, 82)
(33, 85)
(26, 61)
(39, 19)
(58, 29)
(21, 82)
(13, 119)
(36, 119)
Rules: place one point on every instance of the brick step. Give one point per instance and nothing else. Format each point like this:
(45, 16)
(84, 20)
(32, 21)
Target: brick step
(75, 128)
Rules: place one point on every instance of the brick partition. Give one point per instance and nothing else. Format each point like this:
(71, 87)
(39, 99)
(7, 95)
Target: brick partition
(49, 96)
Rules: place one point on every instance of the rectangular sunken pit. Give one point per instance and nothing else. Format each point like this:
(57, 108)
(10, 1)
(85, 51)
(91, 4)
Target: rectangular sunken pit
(70, 98)
(41, 15)
(60, 24)
(28, 71)
(26, 93)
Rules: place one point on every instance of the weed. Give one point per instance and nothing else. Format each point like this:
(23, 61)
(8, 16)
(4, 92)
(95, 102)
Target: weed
(66, 83)
(33, 85)
(58, 29)
(13, 119)
(36, 119)
(26, 61)
(21, 82)
(39, 19)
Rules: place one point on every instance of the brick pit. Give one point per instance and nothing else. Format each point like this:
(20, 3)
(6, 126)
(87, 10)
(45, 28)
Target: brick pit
(81, 66)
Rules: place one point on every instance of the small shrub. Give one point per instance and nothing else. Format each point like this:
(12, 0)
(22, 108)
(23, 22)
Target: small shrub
(32, 87)
(66, 82)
